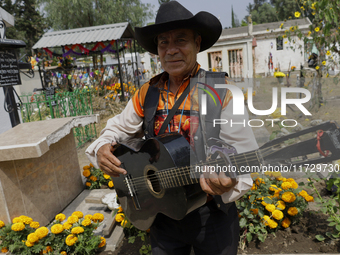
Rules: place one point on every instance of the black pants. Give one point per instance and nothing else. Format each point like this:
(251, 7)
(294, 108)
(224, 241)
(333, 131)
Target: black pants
(207, 229)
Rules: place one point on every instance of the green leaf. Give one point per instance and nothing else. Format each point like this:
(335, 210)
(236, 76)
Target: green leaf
(243, 222)
(252, 198)
(337, 227)
(267, 200)
(320, 238)
(131, 239)
(246, 211)
(317, 200)
(301, 184)
(331, 224)
(249, 237)
(329, 234)
(260, 237)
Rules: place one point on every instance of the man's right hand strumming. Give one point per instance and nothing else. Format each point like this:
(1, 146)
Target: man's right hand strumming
(107, 162)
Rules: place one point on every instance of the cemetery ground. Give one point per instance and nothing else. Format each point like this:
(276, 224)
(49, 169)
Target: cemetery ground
(298, 238)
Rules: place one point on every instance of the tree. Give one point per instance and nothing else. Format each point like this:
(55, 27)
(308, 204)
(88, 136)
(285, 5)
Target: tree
(29, 23)
(234, 20)
(265, 13)
(66, 14)
(285, 8)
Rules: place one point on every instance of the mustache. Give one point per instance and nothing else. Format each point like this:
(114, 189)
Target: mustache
(172, 60)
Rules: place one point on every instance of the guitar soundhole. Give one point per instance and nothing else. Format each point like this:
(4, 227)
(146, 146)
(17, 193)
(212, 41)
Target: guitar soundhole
(153, 181)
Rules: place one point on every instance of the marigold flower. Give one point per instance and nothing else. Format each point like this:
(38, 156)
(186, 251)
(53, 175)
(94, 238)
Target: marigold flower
(303, 193)
(47, 250)
(72, 219)
(102, 242)
(288, 197)
(88, 184)
(273, 187)
(77, 230)
(270, 207)
(88, 216)
(34, 224)
(41, 232)
(309, 198)
(285, 223)
(272, 223)
(254, 211)
(297, 14)
(79, 214)
(258, 181)
(292, 211)
(120, 209)
(120, 217)
(254, 175)
(281, 205)
(57, 229)
(91, 165)
(60, 217)
(28, 243)
(276, 174)
(265, 219)
(93, 178)
(110, 184)
(2, 224)
(86, 222)
(317, 29)
(63, 253)
(86, 167)
(277, 214)
(67, 225)
(4, 249)
(16, 220)
(32, 237)
(281, 179)
(18, 226)
(98, 217)
(286, 185)
(86, 173)
(26, 220)
(124, 223)
(106, 176)
(71, 240)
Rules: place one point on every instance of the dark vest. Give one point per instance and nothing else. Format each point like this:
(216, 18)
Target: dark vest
(205, 129)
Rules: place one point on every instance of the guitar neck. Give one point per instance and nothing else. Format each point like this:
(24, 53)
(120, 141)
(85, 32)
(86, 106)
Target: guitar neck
(177, 177)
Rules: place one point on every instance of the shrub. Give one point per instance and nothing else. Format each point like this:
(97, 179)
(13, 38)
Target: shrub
(95, 178)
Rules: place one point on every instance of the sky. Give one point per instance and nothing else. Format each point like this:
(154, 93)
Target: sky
(220, 8)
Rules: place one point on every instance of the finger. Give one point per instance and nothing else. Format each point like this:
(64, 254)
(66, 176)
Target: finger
(205, 187)
(108, 162)
(216, 188)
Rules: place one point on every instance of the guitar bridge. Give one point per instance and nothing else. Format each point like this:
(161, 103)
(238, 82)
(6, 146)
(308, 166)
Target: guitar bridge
(132, 191)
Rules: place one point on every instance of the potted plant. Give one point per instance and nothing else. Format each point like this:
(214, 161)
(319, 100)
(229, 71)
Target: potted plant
(279, 76)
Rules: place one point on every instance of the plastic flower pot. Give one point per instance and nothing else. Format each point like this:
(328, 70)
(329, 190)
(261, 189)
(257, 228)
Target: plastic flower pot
(280, 79)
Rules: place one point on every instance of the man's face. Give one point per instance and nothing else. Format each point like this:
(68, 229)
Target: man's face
(177, 50)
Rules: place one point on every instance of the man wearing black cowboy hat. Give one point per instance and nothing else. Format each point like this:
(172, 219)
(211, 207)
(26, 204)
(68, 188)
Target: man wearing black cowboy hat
(177, 37)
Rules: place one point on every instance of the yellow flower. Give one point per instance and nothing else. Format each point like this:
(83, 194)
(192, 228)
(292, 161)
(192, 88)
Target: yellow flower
(292, 211)
(281, 205)
(86, 173)
(88, 184)
(265, 220)
(77, 230)
(270, 208)
(281, 25)
(25, 219)
(254, 211)
(72, 219)
(57, 229)
(273, 187)
(286, 185)
(79, 214)
(317, 29)
(281, 179)
(294, 185)
(120, 217)
(120, 209)
(98, 217)
(4, 250)
(18, 226)
(309, 33)
(276, 174)
(288, 197)
(47, 250)
(102, 242)
(309, 198)
(16, 220)
(2, 224)
(285, 223)
(67, 225)
(93, 178)
(272, 223)
(86, 222)
(317, 67)
(276, 114)
(71, 240)
(254, 175)
(34, 224)
(277, 214)
(29, 244)
(124, 223)
(91, 165)
(60, 217)
(41, 232)
(328, 53)
(32, 237)
(106, 176)
(297, 14)
(324, 63)
(86, 167)
(63, 253)
(88, 216)
(313, 13)
(111, 185)
(258, 181)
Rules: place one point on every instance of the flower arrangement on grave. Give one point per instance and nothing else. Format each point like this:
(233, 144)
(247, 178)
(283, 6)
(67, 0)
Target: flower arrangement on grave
(74, 235)
(274, 202)
(96, 178)
(279, 74)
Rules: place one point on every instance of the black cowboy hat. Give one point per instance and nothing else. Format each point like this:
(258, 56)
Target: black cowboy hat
(173, 15)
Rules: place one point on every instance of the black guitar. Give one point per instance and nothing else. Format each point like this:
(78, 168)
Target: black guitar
(163, 174)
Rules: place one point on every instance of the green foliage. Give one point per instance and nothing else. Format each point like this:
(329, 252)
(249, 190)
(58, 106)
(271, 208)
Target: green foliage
(95, 178)
(65, 14)
(265, 13)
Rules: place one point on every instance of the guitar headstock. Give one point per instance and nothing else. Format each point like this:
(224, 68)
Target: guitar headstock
(312, 145)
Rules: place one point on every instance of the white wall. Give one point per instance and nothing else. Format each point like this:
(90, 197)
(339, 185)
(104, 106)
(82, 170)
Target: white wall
(4, 116)
(280, 57)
